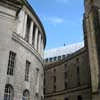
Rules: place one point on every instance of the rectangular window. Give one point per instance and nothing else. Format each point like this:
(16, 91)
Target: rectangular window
(54, 87)
(27, 70)
(79, 97)
(78, 76)
(65, 84)
(38, 40)
(33, 36)
(54, 79)
(11, 63)
(59, 57)
(66, 76)
(55, 58)
(66, 99)
(28, 28)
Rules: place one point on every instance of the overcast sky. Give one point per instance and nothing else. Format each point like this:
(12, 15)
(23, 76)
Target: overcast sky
(62, 20)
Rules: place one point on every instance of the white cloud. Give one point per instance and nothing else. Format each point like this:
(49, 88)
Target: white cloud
(62, 1)
(54, 20)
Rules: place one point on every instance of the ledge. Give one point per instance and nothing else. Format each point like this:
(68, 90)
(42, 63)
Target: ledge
(26, 45)
(77, 89)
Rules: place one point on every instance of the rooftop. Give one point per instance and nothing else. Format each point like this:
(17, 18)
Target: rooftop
(65, 50)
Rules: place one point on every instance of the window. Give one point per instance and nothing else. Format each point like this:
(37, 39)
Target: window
(38, 40)
(66, 99)
(37, 75)
(51, 59)
(54, 87)
(78, 75)
(33, 36)
(28, 28)
(65, 85)
(59, 57)
(55, 58)
(66, 79)
(46, 60)
(77, 60)
(9, 93)
(54, 79)
(27, 71)
(63, 56)
(54, 70)
(11, 63)
(26, 95)
(66, 75)
(79, 97)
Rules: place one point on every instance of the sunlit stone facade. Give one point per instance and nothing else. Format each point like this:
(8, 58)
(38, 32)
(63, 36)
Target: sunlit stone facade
(22, 43)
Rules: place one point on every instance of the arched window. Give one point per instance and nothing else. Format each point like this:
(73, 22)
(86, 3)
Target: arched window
(26, 95)
(9, 93)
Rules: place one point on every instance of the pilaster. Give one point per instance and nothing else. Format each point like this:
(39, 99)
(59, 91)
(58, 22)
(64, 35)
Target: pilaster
(36, 36)
(24, 28)
(31, 33)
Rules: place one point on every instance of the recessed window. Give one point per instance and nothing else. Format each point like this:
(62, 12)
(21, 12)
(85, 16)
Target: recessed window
(66, 99)
(65, 84)
(38, 40)
(46, 60)
(28, 25)
(54, 87)
(77, 60)
(50, 59)
(54, 79)
(11, 63)
(63, 56)
(65, 74)
(9, 93)
(59, 57)
(78, 75)
(26, 95)
(33, 36)
(55, 58)
(27, 71)
(79, 97)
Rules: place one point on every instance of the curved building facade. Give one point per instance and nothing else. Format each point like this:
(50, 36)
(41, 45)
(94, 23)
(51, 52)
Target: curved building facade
(22, 43)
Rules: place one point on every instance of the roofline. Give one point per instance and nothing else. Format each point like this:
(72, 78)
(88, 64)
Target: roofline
(59, 62)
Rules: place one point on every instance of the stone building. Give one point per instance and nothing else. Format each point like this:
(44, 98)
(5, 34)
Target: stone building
(91, 24)
(77, 76)
(22, 43)
(68, 78)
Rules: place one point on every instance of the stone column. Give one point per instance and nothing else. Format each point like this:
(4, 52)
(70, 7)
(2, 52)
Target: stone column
(31, 33)
(39, 44)
(20, 22)
(93, 57)
(24, 28)
(42, 48)
(35, 39)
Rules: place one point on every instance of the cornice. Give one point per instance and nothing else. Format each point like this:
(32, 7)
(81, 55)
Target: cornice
(68, 91)
(17, 5)
(70, 57)
(27, 46)
(25, 2)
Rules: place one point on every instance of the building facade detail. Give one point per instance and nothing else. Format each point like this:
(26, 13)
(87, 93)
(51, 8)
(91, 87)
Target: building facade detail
(21, 51)
(85, 70)
(68, 78)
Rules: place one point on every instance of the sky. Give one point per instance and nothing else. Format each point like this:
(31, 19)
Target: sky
(62, 20)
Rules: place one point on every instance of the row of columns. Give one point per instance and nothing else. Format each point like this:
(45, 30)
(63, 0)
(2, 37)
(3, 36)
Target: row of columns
(21, 30)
